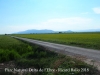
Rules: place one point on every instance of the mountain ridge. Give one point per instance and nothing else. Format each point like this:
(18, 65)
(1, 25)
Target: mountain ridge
(32, 31)
(35, 31)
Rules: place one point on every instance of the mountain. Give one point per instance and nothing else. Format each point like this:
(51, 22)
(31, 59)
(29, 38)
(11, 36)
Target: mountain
(90, 30)
(32, 31)
(69, 31)
(35, 31)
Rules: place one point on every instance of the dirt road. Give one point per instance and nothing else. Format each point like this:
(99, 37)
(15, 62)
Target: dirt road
(90, 56)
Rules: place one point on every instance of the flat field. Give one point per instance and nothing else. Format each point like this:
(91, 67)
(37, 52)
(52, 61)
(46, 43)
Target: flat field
(87, 40)
(21, 55)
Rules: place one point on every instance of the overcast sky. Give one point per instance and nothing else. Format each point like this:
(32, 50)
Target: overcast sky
(58, 15)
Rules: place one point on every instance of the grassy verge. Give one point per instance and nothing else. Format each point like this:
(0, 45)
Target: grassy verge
(87, 40)
(24, 56)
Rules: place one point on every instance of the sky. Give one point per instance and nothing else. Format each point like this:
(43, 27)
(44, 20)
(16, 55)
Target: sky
(57, 15)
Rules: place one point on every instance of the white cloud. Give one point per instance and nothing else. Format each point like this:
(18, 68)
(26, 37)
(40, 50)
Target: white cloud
(96, 10)
(17, 28)
(72, 23)
(5, 29)
(72, 20)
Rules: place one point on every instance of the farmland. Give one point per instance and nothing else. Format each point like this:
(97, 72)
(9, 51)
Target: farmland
(22, 55)
(87, 40)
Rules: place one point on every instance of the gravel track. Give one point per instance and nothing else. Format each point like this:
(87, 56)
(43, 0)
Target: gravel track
(90, 56)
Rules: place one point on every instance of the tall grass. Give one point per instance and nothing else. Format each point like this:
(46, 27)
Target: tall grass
(12, 49)
(88, 40)
(26, 56)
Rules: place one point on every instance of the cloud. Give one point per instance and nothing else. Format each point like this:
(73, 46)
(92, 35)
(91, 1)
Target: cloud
(72, 20)
(6, 29)
(58, 24)
(72, 23)
(17, 28)
(96, 10)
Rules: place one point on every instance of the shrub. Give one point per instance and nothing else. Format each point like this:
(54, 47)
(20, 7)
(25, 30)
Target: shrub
(8, 55)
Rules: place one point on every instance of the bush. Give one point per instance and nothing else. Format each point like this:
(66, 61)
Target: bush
(8, 55)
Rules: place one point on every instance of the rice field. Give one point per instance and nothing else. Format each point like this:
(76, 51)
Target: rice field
(87, 40)
(17, 54)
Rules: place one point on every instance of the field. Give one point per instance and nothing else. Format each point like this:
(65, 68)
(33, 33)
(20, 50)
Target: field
(18, 54)
(88, 40)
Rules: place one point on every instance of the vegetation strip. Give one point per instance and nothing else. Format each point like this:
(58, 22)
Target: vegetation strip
(24, 56)
(87, 40)
(65, 49)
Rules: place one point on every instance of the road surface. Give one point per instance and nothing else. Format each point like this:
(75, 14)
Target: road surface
(88, 55)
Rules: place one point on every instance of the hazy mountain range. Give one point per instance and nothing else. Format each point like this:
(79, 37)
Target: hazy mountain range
(90, 30)
(36, 31)
(31, 31)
